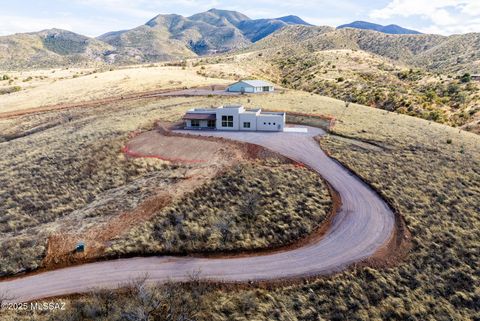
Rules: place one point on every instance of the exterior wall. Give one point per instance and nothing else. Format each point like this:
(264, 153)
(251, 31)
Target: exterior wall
(248, 117)
(261, 121)
(203, 124)
(237, 87)
(270, 122)
(229, 112)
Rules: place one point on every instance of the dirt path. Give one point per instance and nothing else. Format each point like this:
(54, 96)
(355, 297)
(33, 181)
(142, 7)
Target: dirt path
(362, 226)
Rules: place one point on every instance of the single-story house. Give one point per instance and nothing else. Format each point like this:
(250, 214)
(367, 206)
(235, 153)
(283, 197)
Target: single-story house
(251, 86)
(476, 77)
(234, 117)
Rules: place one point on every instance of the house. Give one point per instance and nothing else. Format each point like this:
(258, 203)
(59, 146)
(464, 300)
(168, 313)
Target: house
(476, 77)
(234, 117)
(251, 86)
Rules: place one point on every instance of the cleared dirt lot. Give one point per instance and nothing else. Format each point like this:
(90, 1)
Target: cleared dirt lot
(153, 144)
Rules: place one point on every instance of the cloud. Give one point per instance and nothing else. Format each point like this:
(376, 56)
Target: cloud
(10, 24)
(442, 16)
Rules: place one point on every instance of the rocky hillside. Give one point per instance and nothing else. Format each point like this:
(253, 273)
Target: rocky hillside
(204, 33)
(455, 54)
(174, 37)
(348, 65)
(53, 47)
(165, 37)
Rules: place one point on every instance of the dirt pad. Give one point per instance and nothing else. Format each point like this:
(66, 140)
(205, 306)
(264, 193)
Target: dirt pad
(153, 144)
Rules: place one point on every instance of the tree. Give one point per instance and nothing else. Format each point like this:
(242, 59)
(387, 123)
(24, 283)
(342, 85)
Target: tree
(466, 78)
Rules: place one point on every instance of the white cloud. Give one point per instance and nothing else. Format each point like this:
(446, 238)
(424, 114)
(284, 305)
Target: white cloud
(10, 24)
(443, 16)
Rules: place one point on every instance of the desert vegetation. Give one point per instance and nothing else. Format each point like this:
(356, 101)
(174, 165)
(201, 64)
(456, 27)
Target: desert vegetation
(71, 176)
(377, 83)
(250, 206)
(428, 172)
(68, 166)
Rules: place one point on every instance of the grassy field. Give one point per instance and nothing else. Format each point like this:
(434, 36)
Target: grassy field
(427, 171)
(359, 77)
(60, 86)
(262, 205)
(70, 174)
(63, 175)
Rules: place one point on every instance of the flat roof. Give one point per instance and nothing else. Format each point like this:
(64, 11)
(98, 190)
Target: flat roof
(272, 113)
(255, 83)
(232, 106)
(204, 116)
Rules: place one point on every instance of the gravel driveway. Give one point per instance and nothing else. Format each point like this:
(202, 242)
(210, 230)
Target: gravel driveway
(363, 224)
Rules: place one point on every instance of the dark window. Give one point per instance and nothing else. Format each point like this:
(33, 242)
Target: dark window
(266, 88)
(195, 123)
(274, 123)
(227, 121)
(269, 123)
(246, 125)
(211, 123)
(264, 123)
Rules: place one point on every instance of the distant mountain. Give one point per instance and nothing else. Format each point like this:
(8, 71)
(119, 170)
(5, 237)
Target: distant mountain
(294, 20)
(165, 37)
(53, 47)
(454, 54)
(174, 36)
(390, 29)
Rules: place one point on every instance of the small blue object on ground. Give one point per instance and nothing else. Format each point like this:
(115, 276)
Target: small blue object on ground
(80, 247)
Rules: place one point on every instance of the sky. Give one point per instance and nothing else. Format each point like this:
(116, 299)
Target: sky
(95, 17)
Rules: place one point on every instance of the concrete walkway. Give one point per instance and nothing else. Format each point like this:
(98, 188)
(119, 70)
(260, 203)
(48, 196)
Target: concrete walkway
(363, 224)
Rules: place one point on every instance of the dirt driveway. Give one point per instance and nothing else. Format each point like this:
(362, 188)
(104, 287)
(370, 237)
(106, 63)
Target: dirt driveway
(361, 228)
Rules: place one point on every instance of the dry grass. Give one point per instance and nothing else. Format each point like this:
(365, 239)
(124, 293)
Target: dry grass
(429, 172)
(78, 85)
(72, 175)
(250, 206)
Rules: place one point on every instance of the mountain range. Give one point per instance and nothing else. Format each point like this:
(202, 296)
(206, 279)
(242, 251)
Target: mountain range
(390, 29)
(165, 37)
(174, 37)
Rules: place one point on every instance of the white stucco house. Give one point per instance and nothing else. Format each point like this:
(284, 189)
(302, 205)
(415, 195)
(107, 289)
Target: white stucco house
(251, 86)
(234, 117)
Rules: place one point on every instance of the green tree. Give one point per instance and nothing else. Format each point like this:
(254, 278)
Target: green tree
(466, 78)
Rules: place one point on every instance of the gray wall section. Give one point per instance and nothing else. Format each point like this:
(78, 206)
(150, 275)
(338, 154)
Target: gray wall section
(268, 122)
(237, 87)
(228, 112)
(249, 118)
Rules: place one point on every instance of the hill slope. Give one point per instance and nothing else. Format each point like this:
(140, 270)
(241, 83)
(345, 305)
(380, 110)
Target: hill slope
(175, 37)
(50, 47)
(457, 53)
(390, 29)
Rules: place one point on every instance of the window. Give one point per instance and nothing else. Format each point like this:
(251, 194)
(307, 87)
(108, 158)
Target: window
(227, 121)
(269, 123)
(274, 124)
(266, 88)
(246, 125)
(211, 123)
(195, 123)
(264, 123)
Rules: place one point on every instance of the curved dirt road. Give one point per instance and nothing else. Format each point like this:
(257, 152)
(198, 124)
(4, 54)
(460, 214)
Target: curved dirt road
(363, 224)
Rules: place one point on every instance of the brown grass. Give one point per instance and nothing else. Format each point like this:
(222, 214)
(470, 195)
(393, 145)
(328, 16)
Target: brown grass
(251, 206)
(429, 172)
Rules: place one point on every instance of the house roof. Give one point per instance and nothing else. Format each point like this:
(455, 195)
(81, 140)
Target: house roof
(256, 83)
(203, 116)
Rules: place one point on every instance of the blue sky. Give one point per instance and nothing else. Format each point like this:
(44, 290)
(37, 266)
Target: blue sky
(95, 17)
